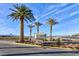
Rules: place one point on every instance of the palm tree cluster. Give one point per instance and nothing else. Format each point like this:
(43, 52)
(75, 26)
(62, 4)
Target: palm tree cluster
(23, 13)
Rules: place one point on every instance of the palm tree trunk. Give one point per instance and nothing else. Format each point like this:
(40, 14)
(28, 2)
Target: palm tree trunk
(30, 33)
(37, 29)
(50, 32)
(21, 38)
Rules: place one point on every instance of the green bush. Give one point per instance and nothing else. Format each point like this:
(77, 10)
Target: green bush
(53, 39)
(58, 42)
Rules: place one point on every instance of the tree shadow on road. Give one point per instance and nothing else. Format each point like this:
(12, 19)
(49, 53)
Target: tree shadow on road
(42, 53)
(14, 47)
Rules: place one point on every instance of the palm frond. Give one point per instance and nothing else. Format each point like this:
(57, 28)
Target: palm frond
(16, 6)
(38, 23)
(12, 10)
(30, 26)
(51, 21)
(14, 16)
(21, 10)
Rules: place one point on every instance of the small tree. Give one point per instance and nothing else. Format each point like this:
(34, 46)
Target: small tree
(58, 42)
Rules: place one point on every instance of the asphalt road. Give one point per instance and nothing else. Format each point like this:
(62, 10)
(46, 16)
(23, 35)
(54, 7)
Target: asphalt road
(7, 49)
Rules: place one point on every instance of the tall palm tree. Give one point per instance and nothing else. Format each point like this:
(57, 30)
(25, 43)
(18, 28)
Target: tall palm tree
(23, 13)
(51, 22)
(30, 28)
(37, 24)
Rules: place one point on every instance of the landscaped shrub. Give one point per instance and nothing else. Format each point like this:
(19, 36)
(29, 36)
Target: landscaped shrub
(45, 39)
(53, 39)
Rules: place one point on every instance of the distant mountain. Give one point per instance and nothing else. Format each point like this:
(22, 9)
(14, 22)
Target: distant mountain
(6, 35)
(75, 35)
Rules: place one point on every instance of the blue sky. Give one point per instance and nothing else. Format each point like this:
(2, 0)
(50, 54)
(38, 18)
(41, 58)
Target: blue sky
(66, 14)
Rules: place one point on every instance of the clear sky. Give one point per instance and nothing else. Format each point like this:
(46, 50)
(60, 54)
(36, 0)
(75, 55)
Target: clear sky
(66, 14)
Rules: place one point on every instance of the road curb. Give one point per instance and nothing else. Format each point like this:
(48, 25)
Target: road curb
(63, 48)
(23, 44)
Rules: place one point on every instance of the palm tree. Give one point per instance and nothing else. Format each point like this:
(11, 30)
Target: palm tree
(51, 22)
(23, 13)
(37, 24)
(30, 27)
